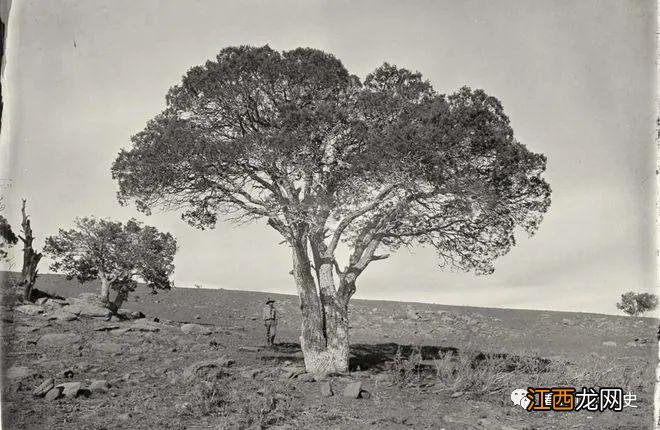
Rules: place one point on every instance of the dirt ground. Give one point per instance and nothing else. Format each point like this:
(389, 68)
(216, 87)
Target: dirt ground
(257, 387)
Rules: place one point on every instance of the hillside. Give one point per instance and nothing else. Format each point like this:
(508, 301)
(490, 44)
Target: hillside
(596, 348)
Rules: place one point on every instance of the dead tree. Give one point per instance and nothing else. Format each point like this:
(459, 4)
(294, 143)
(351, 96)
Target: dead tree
(31, 258)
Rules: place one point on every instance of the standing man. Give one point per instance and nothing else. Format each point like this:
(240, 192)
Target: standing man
(269, 315)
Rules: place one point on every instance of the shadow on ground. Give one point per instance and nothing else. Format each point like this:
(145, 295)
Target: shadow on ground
(380, 356)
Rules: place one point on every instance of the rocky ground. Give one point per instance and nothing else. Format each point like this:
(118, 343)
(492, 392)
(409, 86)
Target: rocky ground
(194, 359)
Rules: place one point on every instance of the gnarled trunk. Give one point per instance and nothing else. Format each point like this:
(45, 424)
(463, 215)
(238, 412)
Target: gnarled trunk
(324, 338)
(31, 258)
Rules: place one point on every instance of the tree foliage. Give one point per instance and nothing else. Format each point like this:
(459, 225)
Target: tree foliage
(324, 157)
(635, 304)
(120, 254)
(7, 238)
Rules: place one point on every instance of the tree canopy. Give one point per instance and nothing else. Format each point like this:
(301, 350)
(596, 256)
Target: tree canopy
(635, 304)
(295, 139)
(7, 238)
(120, 254)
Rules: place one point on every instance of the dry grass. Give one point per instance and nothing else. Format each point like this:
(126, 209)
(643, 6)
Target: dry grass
(240, 403)
(481, 374)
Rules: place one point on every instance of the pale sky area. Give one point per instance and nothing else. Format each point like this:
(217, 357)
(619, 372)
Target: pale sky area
(576, 78)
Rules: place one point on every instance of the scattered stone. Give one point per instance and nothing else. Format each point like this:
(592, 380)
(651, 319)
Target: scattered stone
(58, 339)
(44, 388)
(249, 348)
(16, 373)
(326, 389)
(54, 394)
(195, 329)
(205, 367)
(144, 325)
(609, 343)
(99, 386)
(70, 389)
(197, 317)
(63, 315)
(124, 417)
(30, 309)
(353, 390)
(457, 394)
(106, 327)
(566, 321)
(66, 374)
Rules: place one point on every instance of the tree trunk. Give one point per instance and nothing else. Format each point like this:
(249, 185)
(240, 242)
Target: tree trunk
(31, 258)
(324, 338)
(105, 290)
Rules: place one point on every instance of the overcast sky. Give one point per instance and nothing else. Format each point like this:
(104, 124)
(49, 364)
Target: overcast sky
(576, 78)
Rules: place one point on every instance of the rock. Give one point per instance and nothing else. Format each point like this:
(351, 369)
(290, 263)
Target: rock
(130, 315)
(99, 386)
(566, 321)
(609, 343)
(195, 329)
(197, 317)
(54, 394)
(66, 374)
(144, 325)
(124, 417)
(29, 309)
(249, 348)
(63, 315)
(457, 394)
(58, 339)
(353, 390)
(205, 367)
(44, 388)
(105, 327)
(326, 389)
(16, 373)
(88, 305)
(41, 301)
(70, 389)
(107, 347)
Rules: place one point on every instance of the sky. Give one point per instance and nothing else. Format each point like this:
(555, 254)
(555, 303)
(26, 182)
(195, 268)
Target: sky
(577, 80)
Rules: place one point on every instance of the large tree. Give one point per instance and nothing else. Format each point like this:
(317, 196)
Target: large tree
(325, 158)
(117, 254)
(635, 304)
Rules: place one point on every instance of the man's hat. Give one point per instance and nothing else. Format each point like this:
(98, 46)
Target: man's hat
(270, 300)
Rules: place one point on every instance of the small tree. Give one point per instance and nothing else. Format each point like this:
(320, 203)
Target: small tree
(635, 304)
(115, 253)
(324, 158)
(31, 258)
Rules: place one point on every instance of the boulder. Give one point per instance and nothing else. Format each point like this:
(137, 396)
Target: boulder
(29, 309)
(353, 390)
(88, 305)
(70, 389)
(206, 367)
(326, 389)
(195, 329)
(58, 339)
(41, 301)
(44, 388)
(54, 394)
